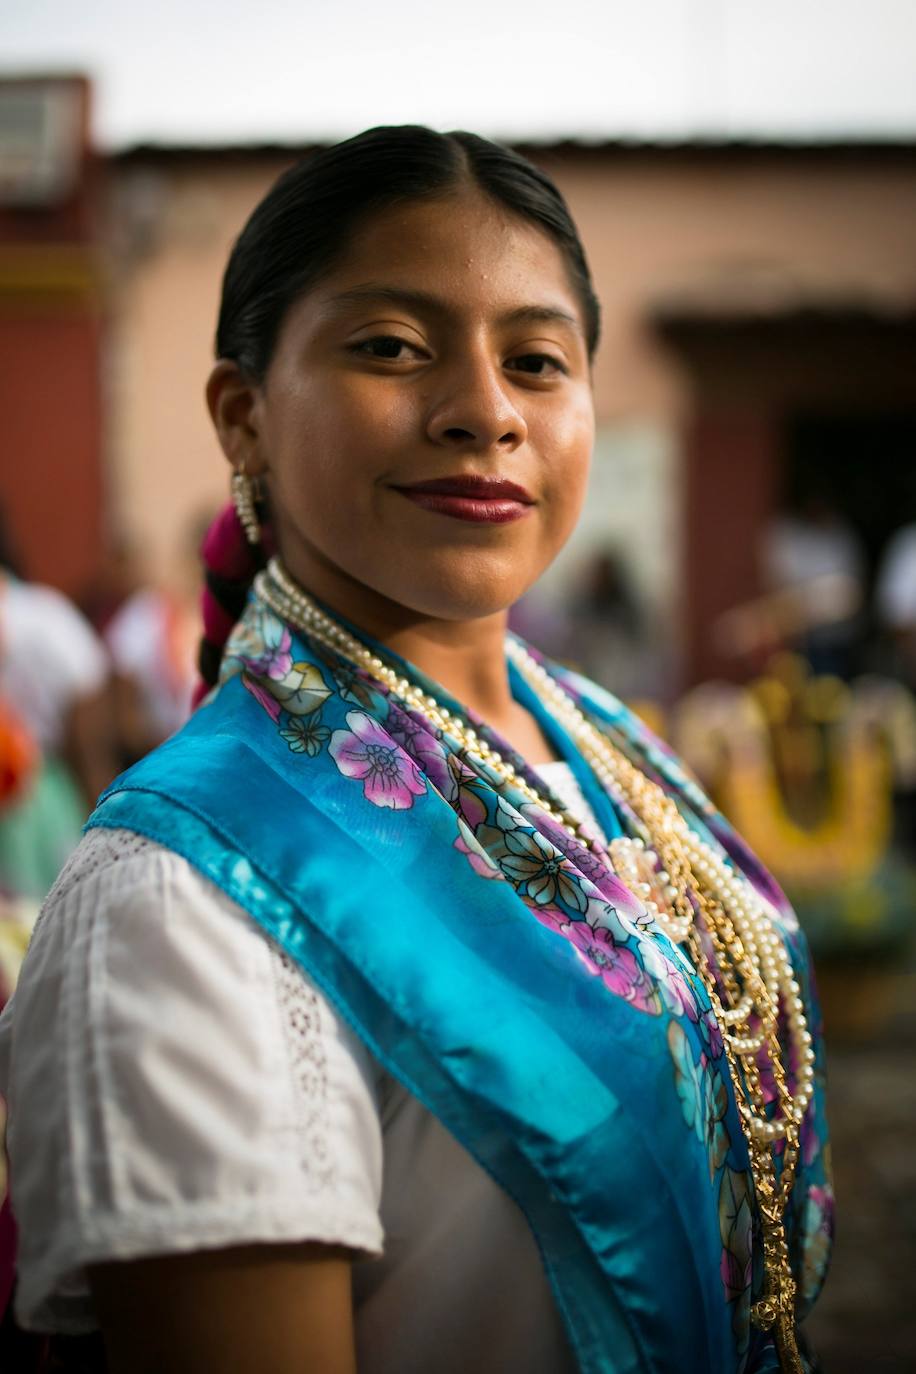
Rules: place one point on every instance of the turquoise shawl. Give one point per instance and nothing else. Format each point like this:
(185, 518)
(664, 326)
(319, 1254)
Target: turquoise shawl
(504, 976)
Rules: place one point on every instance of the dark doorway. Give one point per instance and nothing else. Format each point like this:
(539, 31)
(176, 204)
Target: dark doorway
(863, 463)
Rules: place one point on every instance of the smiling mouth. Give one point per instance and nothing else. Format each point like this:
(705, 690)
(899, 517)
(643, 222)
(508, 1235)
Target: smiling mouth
(479, 500)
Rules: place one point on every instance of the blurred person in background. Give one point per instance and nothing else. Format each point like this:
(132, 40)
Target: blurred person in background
(810, 556)
(152, 639)
(406, 989)
(54, 683)
(607, 629)
(895, 600)
(895, 609)
(119, 574)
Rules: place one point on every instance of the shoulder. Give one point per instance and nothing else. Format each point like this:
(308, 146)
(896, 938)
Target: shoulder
(151, 928)
(138, 959)
(130, 925)
(121, 883)
(183, 1080)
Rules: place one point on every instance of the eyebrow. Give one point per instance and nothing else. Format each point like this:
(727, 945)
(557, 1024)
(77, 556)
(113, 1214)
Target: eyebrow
(424, 301)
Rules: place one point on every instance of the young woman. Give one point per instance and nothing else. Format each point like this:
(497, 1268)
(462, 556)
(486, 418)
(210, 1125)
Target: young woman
(411, 1010)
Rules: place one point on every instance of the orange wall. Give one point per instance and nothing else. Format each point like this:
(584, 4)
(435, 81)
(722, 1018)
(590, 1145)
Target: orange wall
(50, 477)
(51, 482)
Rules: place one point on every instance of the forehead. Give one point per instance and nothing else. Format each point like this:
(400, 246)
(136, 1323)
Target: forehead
(462, 247)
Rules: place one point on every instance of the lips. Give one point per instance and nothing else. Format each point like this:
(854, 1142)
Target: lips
(467, 496)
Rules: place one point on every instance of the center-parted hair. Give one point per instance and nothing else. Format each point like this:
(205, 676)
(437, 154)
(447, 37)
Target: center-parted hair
(303, 225)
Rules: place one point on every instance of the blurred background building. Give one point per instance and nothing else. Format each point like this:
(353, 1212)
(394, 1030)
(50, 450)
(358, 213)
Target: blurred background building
(759, 353)
(745, 571)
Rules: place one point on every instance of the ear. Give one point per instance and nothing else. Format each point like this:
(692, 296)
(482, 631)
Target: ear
(234, 404)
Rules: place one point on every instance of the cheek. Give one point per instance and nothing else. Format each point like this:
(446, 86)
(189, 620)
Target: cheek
(342, 433)
(330, 448)
(568, 471)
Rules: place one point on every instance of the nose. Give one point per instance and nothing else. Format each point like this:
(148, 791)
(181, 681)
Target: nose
(474, 410)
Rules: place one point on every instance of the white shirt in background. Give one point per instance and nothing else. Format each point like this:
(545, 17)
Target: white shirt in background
(50, 657)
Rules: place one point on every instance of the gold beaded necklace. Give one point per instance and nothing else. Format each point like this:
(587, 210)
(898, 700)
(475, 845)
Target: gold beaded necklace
(755, 976)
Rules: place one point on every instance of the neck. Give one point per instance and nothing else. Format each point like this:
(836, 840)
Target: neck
(466, 657)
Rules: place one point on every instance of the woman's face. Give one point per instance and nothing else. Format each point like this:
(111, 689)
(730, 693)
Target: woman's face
(426, 422)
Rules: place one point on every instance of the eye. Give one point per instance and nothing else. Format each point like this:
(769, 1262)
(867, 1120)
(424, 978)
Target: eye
(537, 365)
(387, 347)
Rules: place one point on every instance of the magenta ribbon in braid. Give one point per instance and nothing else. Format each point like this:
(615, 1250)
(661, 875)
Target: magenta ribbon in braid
(227, 554)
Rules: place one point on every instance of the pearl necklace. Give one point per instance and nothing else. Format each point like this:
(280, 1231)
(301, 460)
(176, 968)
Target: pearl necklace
(755, 974)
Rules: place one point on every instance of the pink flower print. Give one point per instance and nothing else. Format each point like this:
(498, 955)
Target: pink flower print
(617, 967)
(262, 696)
(551, 917)
(368, 752)
(274, 659)
(675, 990)
(421, 744)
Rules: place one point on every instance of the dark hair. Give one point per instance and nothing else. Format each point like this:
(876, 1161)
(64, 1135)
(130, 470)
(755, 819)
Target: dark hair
(304, 222)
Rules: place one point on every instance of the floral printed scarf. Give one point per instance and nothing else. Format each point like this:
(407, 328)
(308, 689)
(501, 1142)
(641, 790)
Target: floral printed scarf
(505, 976)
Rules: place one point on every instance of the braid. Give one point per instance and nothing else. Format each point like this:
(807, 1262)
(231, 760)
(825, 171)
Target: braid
(230, 564)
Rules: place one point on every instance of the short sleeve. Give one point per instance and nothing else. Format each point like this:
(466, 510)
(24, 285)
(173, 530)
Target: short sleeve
(174, 1083)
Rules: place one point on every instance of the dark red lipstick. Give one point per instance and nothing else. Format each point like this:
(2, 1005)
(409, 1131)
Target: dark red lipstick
(482, 500)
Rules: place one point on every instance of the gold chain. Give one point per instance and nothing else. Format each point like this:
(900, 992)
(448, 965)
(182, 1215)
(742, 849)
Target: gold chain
(755, 974)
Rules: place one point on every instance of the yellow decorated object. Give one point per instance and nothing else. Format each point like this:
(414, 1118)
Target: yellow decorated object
(805, 769)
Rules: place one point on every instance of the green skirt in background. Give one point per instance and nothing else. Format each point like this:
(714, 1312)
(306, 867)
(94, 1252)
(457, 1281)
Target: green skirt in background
(38, 833)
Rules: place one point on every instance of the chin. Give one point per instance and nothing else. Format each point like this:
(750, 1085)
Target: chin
(456, 586)
(464, 593)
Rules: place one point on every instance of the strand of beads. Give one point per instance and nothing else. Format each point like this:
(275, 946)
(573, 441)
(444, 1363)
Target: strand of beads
(754, 970)
(759, 952)
(638, 865)
(756, 929)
